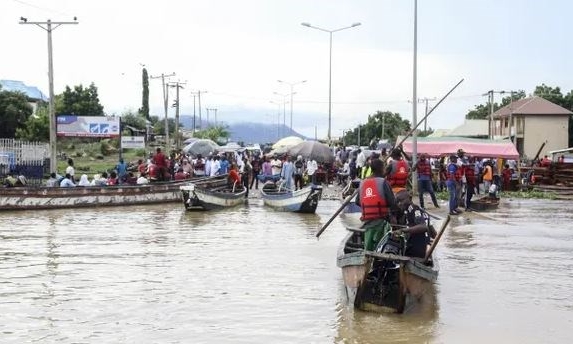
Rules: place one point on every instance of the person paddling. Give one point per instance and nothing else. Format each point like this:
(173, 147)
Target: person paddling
(376, 199)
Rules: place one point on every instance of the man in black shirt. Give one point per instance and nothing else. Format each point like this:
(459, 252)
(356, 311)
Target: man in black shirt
(416, 224)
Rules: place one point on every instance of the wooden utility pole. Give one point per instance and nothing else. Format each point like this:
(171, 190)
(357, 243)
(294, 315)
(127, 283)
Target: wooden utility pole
(177, 86)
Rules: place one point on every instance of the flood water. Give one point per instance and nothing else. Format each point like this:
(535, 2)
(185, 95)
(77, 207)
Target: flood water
(156, 274)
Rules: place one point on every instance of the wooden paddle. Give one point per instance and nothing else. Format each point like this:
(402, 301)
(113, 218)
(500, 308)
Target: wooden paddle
(344, 204)
(437, 239)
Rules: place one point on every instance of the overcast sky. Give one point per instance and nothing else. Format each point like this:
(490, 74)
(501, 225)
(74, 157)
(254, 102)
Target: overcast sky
(237, 49)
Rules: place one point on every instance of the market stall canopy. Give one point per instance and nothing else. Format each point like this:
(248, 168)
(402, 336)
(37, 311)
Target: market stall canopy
(231, 147)
(312, 150)
(287, 142)
(201, 146)
(448, 145)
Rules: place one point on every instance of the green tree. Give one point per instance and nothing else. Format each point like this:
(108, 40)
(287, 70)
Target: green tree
(217, 133)
(381, 125)
(80, 102)
(133, 120)
(144, 111)
(37, 126)
(14, 112)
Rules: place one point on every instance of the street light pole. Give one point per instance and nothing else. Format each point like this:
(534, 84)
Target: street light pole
(330, 32)
(51, 110)
(291, 84)
(278, 116)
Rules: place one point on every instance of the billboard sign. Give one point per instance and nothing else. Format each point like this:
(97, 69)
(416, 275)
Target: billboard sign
(132, 142)
(87, 126)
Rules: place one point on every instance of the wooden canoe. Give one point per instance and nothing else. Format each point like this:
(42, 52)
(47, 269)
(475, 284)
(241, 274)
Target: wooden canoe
(35, 198)
(382, 282)
(304, 200)
(211, 194)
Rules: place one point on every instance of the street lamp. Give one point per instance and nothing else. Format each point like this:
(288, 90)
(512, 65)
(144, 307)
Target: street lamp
(52, 114)
(278, 117)
(291, 84)
(330, 70)
(284, 106)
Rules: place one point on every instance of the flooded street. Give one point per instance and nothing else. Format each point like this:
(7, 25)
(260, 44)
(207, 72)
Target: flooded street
(156, 274)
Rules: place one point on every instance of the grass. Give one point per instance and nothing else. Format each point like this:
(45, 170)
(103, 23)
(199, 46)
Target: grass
(96, 157)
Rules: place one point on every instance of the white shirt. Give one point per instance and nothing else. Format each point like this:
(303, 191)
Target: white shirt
(276, 166)
(311, 167)
(360, 159)
(215, 166)
(70, 170)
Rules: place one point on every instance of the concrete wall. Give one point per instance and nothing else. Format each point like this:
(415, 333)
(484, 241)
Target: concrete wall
(537, 129)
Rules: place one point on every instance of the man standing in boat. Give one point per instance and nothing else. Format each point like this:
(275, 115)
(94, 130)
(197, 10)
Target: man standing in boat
(161, 164)
(377, 201)
(397, 171)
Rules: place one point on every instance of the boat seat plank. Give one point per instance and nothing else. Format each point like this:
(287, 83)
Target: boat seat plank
(388, 256)
(356, 229)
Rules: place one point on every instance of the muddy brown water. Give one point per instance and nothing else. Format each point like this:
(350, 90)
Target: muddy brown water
(156, 274)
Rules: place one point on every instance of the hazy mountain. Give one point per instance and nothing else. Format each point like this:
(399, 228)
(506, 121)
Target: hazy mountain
(249, 132)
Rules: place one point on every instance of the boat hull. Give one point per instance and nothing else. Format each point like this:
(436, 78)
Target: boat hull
(37, 198)
(403, 283)
(485, 204)
(211, 195)
(299, 201)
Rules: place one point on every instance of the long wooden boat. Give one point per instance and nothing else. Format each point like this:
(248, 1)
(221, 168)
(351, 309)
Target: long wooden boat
(304, 200)
(35, 198)
(382, 281)
(485, 203)
(211, 194)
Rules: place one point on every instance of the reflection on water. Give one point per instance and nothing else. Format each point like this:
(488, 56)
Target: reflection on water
(252, 275)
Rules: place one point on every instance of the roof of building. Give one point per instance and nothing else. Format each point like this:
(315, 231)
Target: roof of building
(531, 106)
(439, 132)
(471, 128)
(31, 92)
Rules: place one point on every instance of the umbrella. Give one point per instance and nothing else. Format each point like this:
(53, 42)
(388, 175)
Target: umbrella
(288, 141)
(312, 150)
(201, 146)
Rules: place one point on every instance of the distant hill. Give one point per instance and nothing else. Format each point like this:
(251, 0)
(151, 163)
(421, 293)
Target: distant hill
(249, 132)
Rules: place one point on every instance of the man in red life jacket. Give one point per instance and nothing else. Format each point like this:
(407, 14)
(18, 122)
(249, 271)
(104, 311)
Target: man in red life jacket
(425, 180)
(471, 182)
(377, 201)
(397, 171)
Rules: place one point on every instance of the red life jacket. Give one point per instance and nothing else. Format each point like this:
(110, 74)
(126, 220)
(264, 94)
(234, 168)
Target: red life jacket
(373, 204)
(400, 175)
(152, 170)
(424, 168)
(470, 174)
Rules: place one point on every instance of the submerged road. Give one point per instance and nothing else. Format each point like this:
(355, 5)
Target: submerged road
(156, 274)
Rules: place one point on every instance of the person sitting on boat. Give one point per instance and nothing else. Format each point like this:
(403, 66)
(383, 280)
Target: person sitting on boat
(112, 180)
(142, 180)
(415, 224)
(397, 171)
(53, 181)
(376, 199)
(67, 182)
(180, 174)
(545, 162)
(84, 180)
(70, 169)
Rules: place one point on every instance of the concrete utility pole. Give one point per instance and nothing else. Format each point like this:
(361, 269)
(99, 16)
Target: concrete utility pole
(490, 96)
(199, 106)
(47, 25)
(426, 100)
(194, 95)
(215, 110)
(165, 105)
(177, 86)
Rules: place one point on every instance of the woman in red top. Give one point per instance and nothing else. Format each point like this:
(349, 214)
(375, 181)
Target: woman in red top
(234, 177)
